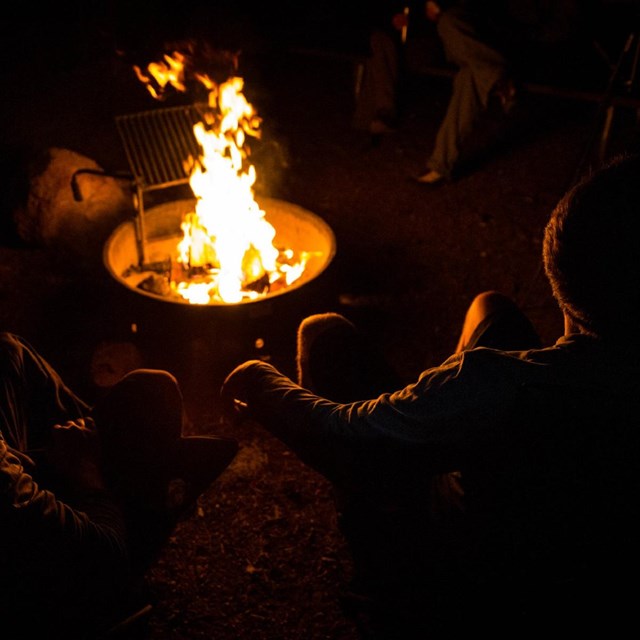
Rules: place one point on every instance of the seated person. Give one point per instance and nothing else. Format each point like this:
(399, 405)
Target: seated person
(490, 44)
(377, 96)
(88, 495)
(498, 491)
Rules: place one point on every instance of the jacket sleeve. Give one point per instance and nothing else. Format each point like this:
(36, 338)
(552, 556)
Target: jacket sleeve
(347, 443)
(430, 426)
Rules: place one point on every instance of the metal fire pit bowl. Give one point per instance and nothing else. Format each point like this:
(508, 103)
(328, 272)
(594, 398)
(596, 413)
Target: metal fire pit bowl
(296, 228)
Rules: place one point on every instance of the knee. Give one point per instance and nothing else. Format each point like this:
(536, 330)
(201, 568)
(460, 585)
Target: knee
(144, 404)
(323, 321)
(152, 392)
(488, 302)
(323, 340)
(157, 381)
(482, 306)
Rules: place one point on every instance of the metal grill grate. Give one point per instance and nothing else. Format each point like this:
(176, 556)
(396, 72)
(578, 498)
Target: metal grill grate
(158, 144)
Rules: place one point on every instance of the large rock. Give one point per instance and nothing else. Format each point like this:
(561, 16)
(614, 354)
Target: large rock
(74, 230)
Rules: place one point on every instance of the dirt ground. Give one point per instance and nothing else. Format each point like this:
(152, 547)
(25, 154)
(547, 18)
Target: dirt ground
(262, 557)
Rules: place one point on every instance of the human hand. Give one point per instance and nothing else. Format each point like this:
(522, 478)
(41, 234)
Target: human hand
(74, 454)
(234, 395)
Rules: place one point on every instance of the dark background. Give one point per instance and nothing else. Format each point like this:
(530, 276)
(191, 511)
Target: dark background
(262, 557)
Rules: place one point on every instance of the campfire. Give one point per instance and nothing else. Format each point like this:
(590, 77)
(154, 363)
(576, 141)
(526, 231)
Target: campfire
(160, 276)
(224, 245)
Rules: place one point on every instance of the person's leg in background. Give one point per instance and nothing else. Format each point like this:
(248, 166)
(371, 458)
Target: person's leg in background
(392, 545)
(481, 68)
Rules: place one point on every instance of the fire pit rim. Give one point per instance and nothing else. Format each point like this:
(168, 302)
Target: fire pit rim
(268, 204)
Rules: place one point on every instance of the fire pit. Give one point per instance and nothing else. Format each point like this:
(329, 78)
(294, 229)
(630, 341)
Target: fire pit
(297, 229)
(221, 245)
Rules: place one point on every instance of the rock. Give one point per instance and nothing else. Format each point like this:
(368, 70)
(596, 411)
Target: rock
(75, 231)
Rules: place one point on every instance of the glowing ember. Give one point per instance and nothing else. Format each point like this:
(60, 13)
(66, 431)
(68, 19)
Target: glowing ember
(226, 252)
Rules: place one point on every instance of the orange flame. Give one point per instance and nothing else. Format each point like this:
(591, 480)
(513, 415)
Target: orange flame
(170, 72)
(227, 251)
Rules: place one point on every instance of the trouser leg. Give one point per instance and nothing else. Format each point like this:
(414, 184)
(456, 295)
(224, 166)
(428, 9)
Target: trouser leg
(463, 110)
(141, 415)
(481, 67)
(33, 397)
(464, 45)
(140, 421)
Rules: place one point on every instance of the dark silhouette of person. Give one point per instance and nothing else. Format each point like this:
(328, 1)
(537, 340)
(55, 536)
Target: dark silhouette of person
(89, 495)
(497, 492)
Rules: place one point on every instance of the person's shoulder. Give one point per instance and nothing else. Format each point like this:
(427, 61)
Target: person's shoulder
(487, 366)
(505, 355)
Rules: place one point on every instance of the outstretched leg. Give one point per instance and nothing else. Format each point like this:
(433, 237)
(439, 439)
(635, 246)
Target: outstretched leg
(156, 472)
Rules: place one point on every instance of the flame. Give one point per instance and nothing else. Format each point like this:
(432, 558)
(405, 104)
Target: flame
(227, 251)
(169, 72)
